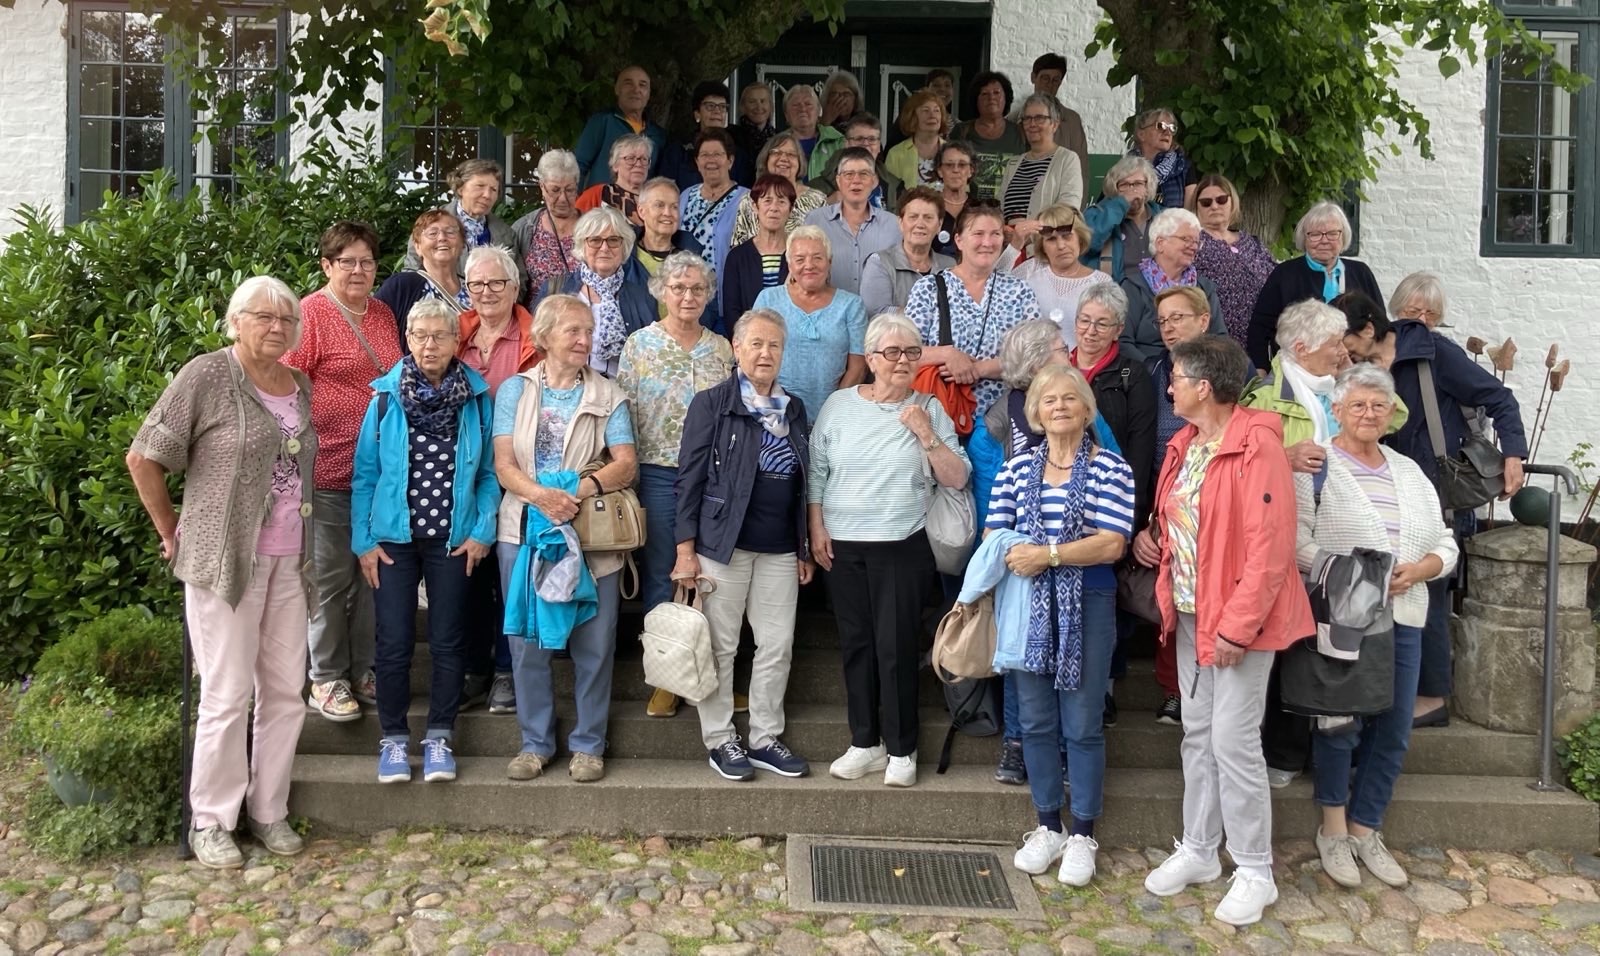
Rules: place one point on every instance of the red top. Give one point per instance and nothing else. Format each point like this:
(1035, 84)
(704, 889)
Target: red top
(341, 376)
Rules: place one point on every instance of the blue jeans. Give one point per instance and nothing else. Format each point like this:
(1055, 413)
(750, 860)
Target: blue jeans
(395, 601)
(660, 551)
(1048, 715)
(1009, 709)
(591, 647)
(1376, 744)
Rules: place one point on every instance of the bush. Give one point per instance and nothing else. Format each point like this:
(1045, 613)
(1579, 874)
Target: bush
(130, 652)
(95, 319)
(1580, 758)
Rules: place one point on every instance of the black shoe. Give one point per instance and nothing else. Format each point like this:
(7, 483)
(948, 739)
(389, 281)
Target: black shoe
(475, 690)
(1170, 711)
(1437, 717)
(730, 760)
(1109, 718)
(779, 759)
(1011, 770)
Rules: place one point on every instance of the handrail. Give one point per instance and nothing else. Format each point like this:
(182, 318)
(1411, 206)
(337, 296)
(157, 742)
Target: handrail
(1547, 716)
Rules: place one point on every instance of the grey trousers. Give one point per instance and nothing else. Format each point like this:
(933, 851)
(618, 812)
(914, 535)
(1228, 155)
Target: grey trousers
(1224, 774)
(764, 586)
(343, 626)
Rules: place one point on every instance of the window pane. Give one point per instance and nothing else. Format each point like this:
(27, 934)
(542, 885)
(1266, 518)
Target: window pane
(145, 144)
(141, 41)
(99, 91)
(1517, 163)
(256, 45)
(1555, 226)
(143, 91)
(1558, 168)
(100, 36)
(100, 144)
(260, 90)
(1519, 108)
(1514, 220)
(1558, 111)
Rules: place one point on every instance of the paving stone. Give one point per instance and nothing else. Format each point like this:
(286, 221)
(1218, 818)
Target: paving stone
(1491, 918)
(1325, 933)
(1571, 915)
(1387, 935)
(1569, 888)
(1508, 891)
(1587, 864)
(1128, 937)
(1434, 898)
(1518, 943)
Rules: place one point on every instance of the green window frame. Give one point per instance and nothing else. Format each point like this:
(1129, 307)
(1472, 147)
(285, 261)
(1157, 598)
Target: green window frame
(440, 139)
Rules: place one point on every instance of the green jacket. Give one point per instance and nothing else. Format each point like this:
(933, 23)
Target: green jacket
(829, 141)
(1274, 395)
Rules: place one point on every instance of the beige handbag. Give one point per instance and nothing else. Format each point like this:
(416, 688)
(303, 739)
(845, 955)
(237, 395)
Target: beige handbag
(963, 646)
(677, 645)
(613, 521)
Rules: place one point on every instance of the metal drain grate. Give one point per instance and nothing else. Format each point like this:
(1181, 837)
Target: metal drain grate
(937, 879)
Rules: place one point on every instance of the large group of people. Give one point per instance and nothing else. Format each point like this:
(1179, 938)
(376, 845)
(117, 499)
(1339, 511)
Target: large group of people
(787, 344)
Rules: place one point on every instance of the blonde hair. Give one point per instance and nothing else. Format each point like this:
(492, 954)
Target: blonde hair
(1060, 214)
(1049, 377)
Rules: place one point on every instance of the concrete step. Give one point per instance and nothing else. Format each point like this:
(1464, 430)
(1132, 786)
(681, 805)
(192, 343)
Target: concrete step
(676, 797)
(820, 732)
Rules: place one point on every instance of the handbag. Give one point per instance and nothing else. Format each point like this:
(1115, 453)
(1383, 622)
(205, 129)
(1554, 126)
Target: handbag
(677, 645)
(963, 644)
(952, 523)
(1476, 475)
(960, 401)
(613, 521)
(1136, 584)
(1316, 685)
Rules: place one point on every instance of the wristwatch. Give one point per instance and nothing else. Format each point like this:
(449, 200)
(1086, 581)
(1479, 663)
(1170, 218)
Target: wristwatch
(932, 444)
(1055, 556)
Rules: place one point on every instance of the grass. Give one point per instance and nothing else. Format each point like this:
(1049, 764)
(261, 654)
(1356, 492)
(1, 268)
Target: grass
(723, 855)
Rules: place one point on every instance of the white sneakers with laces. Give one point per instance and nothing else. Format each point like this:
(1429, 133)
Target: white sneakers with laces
(1040, 848)
(1077, 860)
(1247, 899)
(1182, 869)
(857, 762)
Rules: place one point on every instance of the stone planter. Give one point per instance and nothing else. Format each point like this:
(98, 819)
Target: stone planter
(73, 790)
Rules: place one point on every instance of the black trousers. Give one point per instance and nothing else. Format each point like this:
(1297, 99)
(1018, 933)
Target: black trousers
(1285, 737)
(879, 589)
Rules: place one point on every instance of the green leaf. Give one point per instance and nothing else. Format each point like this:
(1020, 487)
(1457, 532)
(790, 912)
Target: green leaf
(1449, 66)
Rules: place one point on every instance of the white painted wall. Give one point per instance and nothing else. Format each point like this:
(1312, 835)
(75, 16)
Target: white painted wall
(302, 135)
(1021, 30)
(33, 108)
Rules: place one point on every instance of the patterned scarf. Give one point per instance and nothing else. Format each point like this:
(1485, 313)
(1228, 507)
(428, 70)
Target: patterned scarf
(772, 411)
(758, 135)
(609, 329)
(1055, 609)
(1158, 281)
(432, 409)
(477, 232)
(1332, 279)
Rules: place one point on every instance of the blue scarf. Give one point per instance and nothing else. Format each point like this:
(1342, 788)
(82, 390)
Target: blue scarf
(772, 411)
(477, 232)
(1055, 634)
(609, 329)
(433, 409)
(1332, 279)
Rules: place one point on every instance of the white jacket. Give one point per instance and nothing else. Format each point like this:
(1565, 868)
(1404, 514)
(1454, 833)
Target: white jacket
(1346, 519)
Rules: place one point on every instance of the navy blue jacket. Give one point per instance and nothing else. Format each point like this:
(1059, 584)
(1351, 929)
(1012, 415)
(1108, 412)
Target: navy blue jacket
(639, 307)
(1290, 282)
(717, 471)
(1461, 385)
(741, 279)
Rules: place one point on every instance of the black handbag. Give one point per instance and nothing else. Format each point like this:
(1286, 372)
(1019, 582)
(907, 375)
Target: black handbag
(1476, 475)
(1316, 685)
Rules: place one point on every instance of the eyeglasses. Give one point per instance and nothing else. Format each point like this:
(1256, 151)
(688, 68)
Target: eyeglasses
(488, 285)
(432, 338)
(347, 264)
(1132, 184)
(1206, 202)
(866, 140)
(1331, 235)
(270, 319)
(1362, 409)
(1036, 117)
(1173, 318)
(609, 242)
(1186, 240)
(709, 107)
(783, 154)
(1192, 378)
(857, 174)
(895, 353)
(698, 291)
(558, 191)
(1099, 325)
(958, 164)
(1062, 231)
(1415, 312)
(433, 235)
(634, 160)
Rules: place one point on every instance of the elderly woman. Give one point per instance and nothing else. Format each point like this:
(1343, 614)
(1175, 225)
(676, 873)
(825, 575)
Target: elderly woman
(239, 425)
(1155, 137)
(741, 523)
(659, 236)
(827, 327)
(752, 130)
(957, 160)
(546, 233)
(438, 238)
(759, 262)
(1053, 269)
(870, 448)
(663, 366)
(1323, 234)
(707, 210)
(782, 156)
(348, 339)
(923, 120)
(476, 185)
(841, 98)
(1233, 260)
(816, 142)
(1372, 497)
(630, 167)
(888, 275)
(1120, 220)
(1230, 596)
(603, 242)
(983, 307)
(549, 423)
(1174, 237)
(1072, 502)
(424, 478)
(1123, 394)
(995, 138)
(1044, 175)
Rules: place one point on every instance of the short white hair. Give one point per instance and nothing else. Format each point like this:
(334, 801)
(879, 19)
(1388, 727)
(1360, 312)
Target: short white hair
(1124, 167)
(498, 256)
(558, 165)
(1026, 349)
(809, 233)
(626, 142)
(596, 221)
(681, 263)
(1110, 296)
(890, 322)
(278, 295)
(1326, 212)
(433, 308)
(1310, 323)
(1363, 375)
(1167, 223)
(1418, 285)
(759, 315)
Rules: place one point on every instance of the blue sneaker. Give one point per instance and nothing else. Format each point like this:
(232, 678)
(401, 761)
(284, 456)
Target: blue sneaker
(729, 759)
(438, 763)
(394, 764)
(779, 759)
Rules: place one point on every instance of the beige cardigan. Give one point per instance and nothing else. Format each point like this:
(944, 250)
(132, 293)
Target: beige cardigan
(1062, 182)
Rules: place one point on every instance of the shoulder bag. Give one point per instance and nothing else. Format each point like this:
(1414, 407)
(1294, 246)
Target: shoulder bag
(1136, 584)
(1476, 475)
(952, 520)
(613, 521)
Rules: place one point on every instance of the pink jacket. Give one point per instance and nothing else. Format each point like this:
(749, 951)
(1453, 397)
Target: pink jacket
(1249, 589)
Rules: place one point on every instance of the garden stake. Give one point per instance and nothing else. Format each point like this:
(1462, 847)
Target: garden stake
(187, 757)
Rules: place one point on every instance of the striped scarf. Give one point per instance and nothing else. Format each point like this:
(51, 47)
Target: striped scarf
(1055, 604)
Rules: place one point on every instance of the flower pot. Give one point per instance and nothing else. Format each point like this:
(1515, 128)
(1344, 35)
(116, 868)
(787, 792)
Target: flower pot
(73, 790)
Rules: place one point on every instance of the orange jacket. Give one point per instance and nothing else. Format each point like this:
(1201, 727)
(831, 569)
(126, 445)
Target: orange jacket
(531, 354)
(1249, 589)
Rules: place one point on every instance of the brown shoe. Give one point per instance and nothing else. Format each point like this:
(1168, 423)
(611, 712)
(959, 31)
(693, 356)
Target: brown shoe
(525, 766)
(662, 704)
(586, 768)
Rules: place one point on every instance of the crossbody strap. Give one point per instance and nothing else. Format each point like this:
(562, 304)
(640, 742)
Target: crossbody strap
(946, 337)
(361, 337)
(1430, 408)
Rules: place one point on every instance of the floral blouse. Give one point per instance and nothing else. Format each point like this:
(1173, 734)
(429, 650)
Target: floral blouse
(548, 255)
(1183, 522)
(976, 328)
(661, 379)
(1239, 269)
(744, 223)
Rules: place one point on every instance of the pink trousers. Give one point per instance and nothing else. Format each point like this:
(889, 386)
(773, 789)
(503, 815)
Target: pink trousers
(257, 648)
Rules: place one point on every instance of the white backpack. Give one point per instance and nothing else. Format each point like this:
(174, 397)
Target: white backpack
(677, 646)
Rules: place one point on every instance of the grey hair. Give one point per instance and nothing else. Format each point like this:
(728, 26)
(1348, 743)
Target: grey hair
(500, 256)
(1323, 212)
(1107, 294)
(627, 142)
(1218, 360)
(1122, 168)
(678, 264)
(1310, 323)
(558, 165)
(800, 88)
(433, 308)
(471, 169)
(659, 182)
(1045, 100)
(550, 310)
(1025, 349)
(809, 233)
(1167, 223)
(846, 78)
(593, 223)
(1151, 116)
(1363, 375)
(1418, 285)
(276, 291)
(758, 315)
(890, 322)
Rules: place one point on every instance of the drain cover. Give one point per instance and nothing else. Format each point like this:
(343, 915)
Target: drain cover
(855, 876)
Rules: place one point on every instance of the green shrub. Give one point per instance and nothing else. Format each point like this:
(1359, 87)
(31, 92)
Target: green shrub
(1580, 757)
(130, 651)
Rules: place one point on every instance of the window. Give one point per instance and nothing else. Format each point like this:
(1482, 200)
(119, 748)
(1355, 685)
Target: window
(441, 139)
(1541, 156)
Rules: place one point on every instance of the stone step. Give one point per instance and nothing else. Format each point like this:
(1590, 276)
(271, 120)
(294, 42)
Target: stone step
(683, 798)
(820, 732)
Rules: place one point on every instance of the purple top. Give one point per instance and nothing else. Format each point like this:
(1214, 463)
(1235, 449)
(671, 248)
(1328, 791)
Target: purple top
(1239, 269)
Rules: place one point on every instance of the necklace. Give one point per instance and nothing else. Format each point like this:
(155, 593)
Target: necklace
(1065, 467)
(328, 291)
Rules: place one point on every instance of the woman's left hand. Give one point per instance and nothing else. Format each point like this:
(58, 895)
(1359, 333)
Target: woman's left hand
(1515, 477)
(1405, 577)
(1028, 560)
(915, 418)
(475, 552)
(806, 570)
(1023, 230)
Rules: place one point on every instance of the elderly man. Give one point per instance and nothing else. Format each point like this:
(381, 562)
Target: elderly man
(802, 111)
(863, 130)
(603, 129)
(855, 228)
(1048, 72)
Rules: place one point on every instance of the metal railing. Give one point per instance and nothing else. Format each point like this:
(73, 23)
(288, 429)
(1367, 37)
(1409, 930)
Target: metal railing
(1547, 716)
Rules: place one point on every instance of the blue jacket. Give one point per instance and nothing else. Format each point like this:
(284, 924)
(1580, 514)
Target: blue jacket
(1012, 592)
(528, 615)
(1104, 220)
(378, 509)
(594, 146)
(1461, 385)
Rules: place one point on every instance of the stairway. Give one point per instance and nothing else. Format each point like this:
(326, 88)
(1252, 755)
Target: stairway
(1464, 786)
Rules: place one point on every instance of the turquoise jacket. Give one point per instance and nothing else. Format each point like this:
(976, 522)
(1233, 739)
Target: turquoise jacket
(378, 509)
(528, 615)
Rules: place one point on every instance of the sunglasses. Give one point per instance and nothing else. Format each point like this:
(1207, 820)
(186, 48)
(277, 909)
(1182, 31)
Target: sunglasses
(1063, 230)
(1166, 127)
(1206, 202)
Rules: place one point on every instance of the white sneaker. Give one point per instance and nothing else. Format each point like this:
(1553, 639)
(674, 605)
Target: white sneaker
(902, 771)
(857, 762)
(1246, 901)
(1077, 861)
(1040, 848)
(1182, 869)
(1278, 779)
(1338, 855)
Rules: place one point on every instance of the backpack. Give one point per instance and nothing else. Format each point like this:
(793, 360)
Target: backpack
(974, 706)
(963, 649)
